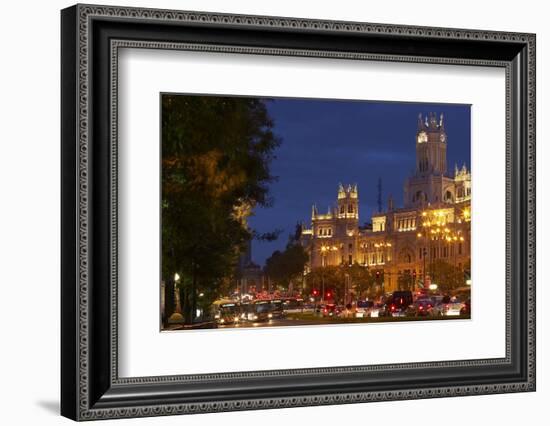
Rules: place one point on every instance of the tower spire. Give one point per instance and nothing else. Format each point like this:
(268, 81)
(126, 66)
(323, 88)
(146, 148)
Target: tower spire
(420, 121)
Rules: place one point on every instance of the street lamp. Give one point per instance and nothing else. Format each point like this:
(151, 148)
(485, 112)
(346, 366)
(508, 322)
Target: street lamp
(325, 249)
(177, 314)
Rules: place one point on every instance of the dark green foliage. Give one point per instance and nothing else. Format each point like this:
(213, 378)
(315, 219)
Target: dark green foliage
(446, 275)
(284, 266)
(215, 169)
(359, 281)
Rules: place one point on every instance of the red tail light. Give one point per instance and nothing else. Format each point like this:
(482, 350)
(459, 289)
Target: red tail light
(420, 308)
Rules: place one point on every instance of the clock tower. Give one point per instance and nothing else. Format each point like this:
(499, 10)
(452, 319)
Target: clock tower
(431, 183)
(431, 146)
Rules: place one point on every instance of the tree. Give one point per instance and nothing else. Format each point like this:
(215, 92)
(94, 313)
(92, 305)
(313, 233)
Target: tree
(357, 279)
(328, 279)
(362, 280)
(446, 275)
(283, 267)
(216, 153)
(405, 281)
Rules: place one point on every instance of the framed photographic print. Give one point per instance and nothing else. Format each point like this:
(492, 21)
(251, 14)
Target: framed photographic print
(263, 212)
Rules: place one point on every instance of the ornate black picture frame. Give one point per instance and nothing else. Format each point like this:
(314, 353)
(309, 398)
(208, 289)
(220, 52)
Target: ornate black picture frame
(91, 387)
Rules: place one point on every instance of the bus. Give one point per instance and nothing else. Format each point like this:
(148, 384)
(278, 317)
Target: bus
(259, 310)
(228, 313)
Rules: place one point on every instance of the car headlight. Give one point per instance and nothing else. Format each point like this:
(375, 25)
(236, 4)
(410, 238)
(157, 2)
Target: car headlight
(222, 320)
(270, 315)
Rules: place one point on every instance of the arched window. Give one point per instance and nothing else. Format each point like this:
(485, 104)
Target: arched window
(448, 197)
(350, 208)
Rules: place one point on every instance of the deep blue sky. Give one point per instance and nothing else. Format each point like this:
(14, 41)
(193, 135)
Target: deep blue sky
(325, 142)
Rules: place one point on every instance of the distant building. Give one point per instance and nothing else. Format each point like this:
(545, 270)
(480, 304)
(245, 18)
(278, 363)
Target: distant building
(250, 274)
(434, 222)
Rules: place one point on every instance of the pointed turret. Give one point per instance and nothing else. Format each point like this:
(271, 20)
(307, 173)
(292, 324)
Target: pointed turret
(420, 122)
(341, 191)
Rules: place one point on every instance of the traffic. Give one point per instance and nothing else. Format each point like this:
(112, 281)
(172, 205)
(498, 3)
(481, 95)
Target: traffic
(293, 310)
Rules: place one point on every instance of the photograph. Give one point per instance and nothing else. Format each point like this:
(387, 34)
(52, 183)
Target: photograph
(266, 209)
(283, 212)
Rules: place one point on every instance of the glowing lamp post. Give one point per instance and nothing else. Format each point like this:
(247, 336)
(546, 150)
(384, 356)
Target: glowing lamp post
(176, 315)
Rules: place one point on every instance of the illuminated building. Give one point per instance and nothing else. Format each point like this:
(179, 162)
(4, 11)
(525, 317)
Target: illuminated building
(433, 224)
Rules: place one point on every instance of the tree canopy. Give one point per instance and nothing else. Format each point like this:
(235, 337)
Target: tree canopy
(216, 153)
(359, 280)
(284, 266)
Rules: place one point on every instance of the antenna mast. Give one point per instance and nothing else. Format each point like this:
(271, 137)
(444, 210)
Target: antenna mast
(379, 195)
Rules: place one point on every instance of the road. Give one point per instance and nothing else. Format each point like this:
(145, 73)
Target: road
(308, 319)
(277, 322)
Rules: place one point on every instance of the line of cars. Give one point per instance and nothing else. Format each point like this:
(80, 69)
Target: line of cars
(404, 304)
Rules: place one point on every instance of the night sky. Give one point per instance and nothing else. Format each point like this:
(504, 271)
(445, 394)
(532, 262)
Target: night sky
(325, 142)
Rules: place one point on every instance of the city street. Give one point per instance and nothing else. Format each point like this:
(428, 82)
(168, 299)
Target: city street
(277, 322)
(309, 319)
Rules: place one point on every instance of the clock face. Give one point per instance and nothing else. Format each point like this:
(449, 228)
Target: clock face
(422, 137)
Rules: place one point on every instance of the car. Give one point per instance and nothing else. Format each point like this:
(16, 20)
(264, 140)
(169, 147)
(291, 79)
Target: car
(331, 310)
(437, 299)
(467, 308)
(379, 310)
(448, 307)
(309, 307)
(257, 311)
(363, 308)
(293, 305)
(276, 309)
(400, 302)
(421, 308)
